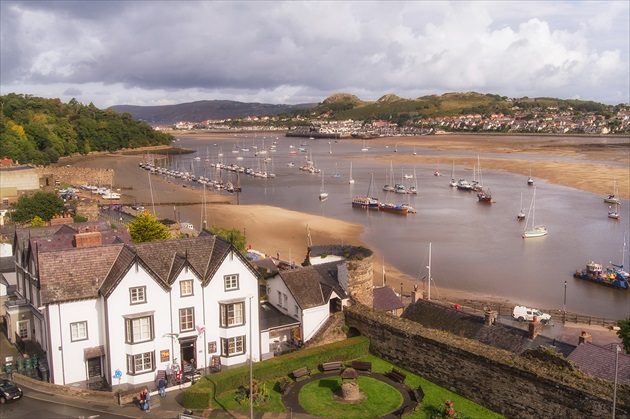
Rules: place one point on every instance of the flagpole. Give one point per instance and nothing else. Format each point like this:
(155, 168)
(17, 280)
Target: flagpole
(383, 271)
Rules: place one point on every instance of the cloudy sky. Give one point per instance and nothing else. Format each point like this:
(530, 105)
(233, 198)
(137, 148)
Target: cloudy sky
(161, 52)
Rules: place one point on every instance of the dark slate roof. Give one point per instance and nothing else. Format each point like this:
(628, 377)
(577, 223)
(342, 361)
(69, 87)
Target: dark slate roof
(502, 336)
(385, 299)
(600, 362)
(75, 274)
(121, 265)
(272, 318)
(266, 263)
(312, 286)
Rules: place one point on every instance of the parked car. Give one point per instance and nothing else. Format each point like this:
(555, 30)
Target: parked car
(522, 313)
(9, 391)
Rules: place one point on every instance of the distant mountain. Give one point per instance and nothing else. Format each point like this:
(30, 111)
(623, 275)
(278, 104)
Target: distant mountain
(205, 109)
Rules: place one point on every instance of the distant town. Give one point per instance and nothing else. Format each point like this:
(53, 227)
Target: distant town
(549, 120)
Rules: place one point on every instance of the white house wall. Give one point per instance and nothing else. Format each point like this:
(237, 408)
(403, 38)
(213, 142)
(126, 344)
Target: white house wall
(276, 284)
(314, 318)
(67, 360)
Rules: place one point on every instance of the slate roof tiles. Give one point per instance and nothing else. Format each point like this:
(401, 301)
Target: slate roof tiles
(312, 286)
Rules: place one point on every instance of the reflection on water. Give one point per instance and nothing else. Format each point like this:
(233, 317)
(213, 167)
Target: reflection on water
(475, 246)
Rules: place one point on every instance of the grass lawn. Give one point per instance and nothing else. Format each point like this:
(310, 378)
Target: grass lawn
(227, 400)
(317, 399)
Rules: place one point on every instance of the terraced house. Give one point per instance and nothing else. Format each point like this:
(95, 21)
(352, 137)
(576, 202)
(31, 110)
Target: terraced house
(96, 303)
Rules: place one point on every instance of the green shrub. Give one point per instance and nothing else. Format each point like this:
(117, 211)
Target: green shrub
(80, 219)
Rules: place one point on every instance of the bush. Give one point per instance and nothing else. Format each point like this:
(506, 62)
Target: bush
(80, 219)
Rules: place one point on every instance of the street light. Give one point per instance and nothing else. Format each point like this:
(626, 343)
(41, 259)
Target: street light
(251, 373)
(564, 306)
(617, 350)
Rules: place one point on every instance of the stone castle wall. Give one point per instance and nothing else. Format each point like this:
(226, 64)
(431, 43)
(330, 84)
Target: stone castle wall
(361, 280)
(503, 382)
(76, 176)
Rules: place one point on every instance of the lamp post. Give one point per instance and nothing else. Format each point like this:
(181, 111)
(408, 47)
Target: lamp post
(251, 373)
(564, 305)
(614, 407)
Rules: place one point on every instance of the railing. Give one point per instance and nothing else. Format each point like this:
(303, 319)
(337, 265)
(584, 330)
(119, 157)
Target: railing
(19, 343)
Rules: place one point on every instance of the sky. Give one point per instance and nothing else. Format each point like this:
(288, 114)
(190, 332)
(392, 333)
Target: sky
(161, 53)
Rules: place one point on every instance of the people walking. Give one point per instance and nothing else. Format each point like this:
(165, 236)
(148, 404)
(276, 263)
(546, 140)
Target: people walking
(162, 387)
(147, 399)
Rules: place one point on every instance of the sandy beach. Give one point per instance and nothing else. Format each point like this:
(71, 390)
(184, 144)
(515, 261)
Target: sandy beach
(277, 230)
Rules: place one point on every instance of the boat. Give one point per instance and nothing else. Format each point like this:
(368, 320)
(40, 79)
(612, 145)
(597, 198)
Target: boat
(337, 174)
(477, 183)
(612, 276)
(364, 147)
(367, 201)
(614, 213)
(521, 215)
(323, 195)
(453, 182)
(530, 180)
(437, 170)
(485, 196)
(389, 178)
(533, 230)
(413, 189)
(463, 184)
(393, 208)
(350, 179)
(614, 197)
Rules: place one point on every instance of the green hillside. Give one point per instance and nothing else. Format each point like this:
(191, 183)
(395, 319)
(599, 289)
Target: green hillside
(391, 107)
(39, 131)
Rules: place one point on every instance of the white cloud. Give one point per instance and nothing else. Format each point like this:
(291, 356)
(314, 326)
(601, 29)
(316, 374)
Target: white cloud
(295, 52)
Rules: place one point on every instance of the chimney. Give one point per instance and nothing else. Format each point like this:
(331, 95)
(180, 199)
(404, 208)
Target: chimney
(535, 328)
(585, 337)
(88, 237)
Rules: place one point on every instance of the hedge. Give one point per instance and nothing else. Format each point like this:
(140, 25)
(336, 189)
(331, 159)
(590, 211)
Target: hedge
(202, 394)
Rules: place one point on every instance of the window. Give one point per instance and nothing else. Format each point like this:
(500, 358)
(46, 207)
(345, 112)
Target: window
(233, 346)
(186, 319)
(279, 299)
(231, 282)
(139, 329)
(286, 301)
(232, 314)
(186, 288)
(78, 331)
(137, 295)
(141, 363)
(297, 310)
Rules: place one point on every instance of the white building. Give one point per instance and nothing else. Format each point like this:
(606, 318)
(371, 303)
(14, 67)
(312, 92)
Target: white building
(96, 303)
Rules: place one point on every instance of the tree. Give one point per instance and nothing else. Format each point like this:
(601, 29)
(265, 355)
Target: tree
(234, 236)
(43, 204)
(38, 222)
(624, 333)
(147, 228)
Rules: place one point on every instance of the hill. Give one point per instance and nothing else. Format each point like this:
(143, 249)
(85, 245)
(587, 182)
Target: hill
(204, 110)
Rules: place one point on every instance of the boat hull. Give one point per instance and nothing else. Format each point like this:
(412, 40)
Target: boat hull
(609, 279)
(536, 232)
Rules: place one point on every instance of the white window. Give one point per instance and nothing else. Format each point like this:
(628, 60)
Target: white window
(78, 331)
(233, 346)
(186, 288)
(137, 295)
(279, 299)
(232, 314)
(231, 282)
(23, 327)
(186, 319)
(139, 329)
(141, 363)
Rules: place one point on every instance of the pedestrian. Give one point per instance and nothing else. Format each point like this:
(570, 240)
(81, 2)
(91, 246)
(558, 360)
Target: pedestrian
(162, 387)
(142, 400)
(147, 398)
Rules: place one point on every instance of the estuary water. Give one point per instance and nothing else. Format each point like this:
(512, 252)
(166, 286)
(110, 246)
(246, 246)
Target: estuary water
(476, 247)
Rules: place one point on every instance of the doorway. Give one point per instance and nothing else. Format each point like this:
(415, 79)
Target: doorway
(94, 367)
(187, 352)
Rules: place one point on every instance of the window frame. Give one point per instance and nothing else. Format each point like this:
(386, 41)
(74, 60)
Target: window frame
(225, 346)
(131, 363)
(184, 311)
(78, 338)
(181, 290)
(224, 309)
(130, 337)
(137, 301)
(231, 282)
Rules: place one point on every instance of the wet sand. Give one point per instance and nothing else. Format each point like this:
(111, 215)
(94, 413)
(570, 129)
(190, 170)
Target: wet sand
(277, 230)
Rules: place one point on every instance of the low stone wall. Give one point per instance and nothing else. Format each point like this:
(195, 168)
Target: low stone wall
(501, 381)
(76, 176)
(69, 391)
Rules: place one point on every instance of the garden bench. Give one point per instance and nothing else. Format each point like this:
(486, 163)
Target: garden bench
(332, 366)
(362, 366)
(396, 375)
(416, 395)
(283, 385)
(406, 409)
(301, 372)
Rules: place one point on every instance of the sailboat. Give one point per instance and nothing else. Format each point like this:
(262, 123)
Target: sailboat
(530, 180)
(533, 230)
(477, 183)
(414, 188)
(350, 179)
(367, 201)
(614, 197)
(521, 215)
(336, 175)
(453, 182)
(389, 178)
(323, 195)
(364, 147)
(437, 169)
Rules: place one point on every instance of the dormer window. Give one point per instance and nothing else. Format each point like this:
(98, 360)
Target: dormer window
(231, 282)
(137, 295)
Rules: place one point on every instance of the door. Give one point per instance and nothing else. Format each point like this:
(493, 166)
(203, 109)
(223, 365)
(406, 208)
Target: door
(23, 327)
(188, 355)
(94, 367)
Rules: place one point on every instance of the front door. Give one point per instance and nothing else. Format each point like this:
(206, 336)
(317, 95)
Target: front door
(23, 326)
(94, 367)
(188, 355)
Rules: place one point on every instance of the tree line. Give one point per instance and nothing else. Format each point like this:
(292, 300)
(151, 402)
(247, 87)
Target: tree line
(39, 131)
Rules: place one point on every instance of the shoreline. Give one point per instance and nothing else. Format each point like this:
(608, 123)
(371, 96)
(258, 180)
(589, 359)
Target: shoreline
(280, 232)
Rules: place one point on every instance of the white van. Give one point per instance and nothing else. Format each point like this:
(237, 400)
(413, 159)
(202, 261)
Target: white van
(522, 313)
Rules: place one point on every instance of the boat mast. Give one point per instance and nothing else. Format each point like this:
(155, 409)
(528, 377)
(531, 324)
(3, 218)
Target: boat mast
(429, 275)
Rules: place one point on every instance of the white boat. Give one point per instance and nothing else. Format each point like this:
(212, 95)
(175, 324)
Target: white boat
(521, 215)
(530, 180)
(463, 185)
(322, 191)
(453, 182)
(364, 147)
(533, 230)
(614, 213)
(110, 195)
(614, 197)
(350, 179)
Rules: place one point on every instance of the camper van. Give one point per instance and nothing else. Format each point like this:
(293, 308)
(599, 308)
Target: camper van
(522, 313)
